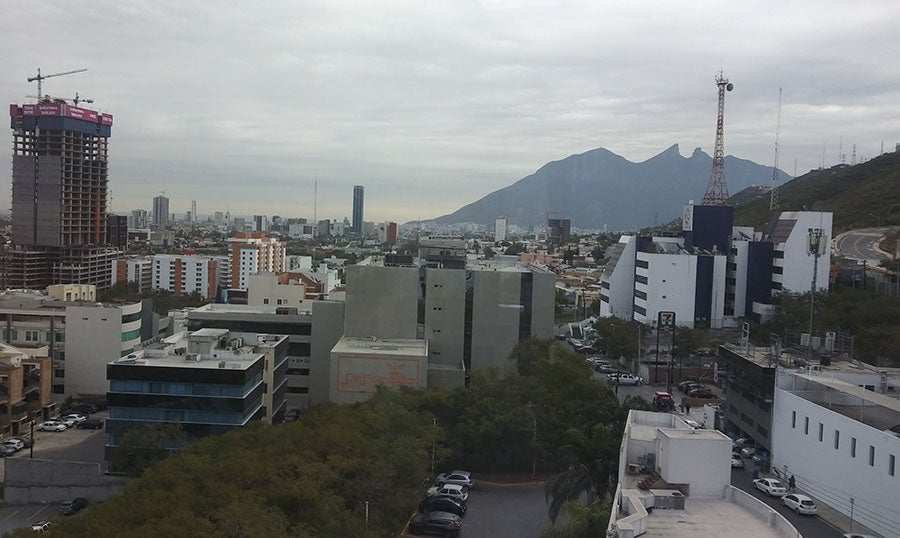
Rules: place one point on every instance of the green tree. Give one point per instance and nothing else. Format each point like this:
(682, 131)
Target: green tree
(582, 521)
(145, 446)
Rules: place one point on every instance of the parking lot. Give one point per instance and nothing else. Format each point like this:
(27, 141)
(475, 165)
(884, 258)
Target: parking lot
(501, 510)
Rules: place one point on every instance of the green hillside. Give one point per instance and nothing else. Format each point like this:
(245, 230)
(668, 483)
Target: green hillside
(860, 196)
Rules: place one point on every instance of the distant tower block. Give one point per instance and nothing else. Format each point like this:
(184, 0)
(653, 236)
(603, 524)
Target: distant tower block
(717, 190)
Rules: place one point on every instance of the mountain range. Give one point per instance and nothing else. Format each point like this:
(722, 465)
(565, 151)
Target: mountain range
(599, 188)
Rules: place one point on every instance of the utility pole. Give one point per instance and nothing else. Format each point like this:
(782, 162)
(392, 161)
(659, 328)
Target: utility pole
(814, 249)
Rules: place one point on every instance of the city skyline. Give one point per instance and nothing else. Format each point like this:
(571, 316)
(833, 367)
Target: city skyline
(432, 107)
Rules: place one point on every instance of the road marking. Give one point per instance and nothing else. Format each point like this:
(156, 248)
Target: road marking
(14, 513)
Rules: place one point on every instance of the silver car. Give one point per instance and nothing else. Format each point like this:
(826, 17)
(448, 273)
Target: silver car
(460, 478)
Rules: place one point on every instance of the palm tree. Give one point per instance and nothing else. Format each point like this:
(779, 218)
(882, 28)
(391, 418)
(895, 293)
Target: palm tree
(590, 458)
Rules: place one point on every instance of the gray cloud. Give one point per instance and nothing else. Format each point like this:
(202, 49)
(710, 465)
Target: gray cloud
(433, 105)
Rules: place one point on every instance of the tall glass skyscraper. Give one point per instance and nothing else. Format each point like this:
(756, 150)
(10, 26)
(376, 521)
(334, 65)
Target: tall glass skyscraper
(358, 192)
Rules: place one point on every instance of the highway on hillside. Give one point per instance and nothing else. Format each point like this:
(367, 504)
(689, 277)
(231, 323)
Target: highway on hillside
(861, 245)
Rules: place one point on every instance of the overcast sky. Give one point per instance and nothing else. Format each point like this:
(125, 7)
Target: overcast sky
(431, 105)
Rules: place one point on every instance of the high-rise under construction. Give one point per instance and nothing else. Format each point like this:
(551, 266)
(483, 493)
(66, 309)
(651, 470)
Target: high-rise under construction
(59, 196)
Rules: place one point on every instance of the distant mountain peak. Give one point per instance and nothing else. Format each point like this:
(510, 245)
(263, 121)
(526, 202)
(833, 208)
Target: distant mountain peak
(698, 151)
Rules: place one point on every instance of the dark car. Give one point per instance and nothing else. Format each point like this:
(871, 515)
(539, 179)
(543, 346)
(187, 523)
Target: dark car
(6, 450)
(688, 386)
(84, 408)
(74, 506)
(90, 424)
(440, 523)
(443, 504)
(701, 392)
(685, 382)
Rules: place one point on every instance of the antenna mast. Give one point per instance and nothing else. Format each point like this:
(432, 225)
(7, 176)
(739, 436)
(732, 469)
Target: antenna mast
(773, 200)
(717, 190)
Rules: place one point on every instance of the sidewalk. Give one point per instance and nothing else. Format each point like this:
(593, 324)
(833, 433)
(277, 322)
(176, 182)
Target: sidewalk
(839, 521)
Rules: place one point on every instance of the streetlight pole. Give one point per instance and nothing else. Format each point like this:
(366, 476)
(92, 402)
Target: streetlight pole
(434, 422)
(852, 502)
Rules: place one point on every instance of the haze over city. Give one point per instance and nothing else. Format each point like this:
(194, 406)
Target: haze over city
(432, 106)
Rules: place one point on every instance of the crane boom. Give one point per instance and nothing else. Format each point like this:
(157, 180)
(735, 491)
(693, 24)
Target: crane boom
(39, 77)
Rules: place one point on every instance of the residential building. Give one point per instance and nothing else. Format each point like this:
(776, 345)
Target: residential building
(208, 381)
(184, 274)
(250, 253)
(840, 441)
(139, 219)
(358, 194)
(675, 480)
(501, 226)
(25, 393)
(60, 197)
(387, 233)
(283, 289)
(160, 212)
(80, 334)
(135, 269)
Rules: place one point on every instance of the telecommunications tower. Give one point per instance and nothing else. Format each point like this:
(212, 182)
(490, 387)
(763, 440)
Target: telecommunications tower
(717, 190)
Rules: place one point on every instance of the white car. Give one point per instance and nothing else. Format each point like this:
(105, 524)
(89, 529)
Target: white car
(748, 452)
(800, 504)
(625, 379)
(736, 462)
(770, 486)
(40, 526)
(454, 491)
(461, 478)
(17, 444)
(52, 426)
(78, 418)
(69, 422)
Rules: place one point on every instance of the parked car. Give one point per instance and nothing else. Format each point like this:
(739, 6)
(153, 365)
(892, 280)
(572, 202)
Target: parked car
(685, 382)
(760, 456)
(91, 424)
(800, 504)
(440, 523)
(86, 408)
(69, 422)
(701, 392)
(625, 379)
(6, 451)
(443, 504)
(748, 452)
(74, 506)
(25, 440)
(462, 478)
(41, 526)
(608, 369)
(454, 491)
(742, 442)
(17, 444)
(77, 417)
(736, 462)
(686, 386)
(770, 486)
(855, 535)
(52, 426)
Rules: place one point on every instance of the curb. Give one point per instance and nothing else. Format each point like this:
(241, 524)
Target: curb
(512, 484)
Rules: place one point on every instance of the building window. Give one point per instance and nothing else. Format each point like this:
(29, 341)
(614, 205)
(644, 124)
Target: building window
(793, 419)
(59, 372)
(806, 426)
(871, 456)
(853, 447)
(266, 301)
(763, 431)
(821, 432)
(891, 463)
(31, 336)
(837, 440)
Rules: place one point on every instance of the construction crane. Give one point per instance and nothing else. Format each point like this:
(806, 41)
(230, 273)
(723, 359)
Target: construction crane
(773, 199)
(77, 99)
(717, 189)
(39, 77)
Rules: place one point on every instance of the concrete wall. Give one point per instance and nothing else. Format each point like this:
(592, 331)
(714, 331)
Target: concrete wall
(31, 481)
(93, 338)
(495, 317)
(355, 377)
(327, 329)
(748, 502)
(671, 287)
(445, 316)
(702, 462)
(382, 302)
(797, 262)
(49, 192)
(833, 475)
(543, 304)
(621, 283)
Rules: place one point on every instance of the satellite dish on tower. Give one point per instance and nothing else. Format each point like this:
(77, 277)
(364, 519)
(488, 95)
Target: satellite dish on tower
(729, 87)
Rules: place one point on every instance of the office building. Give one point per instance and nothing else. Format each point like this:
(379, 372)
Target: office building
(260, 223)
(558, 231)
(208, 382)
(839, 439)
(193, 211)
(24, 388)
(675, 480)
(387, 233)
(250, 253)
(160, 212)
(117, 231)
(358, 192)
(60, 197)
(184, 274)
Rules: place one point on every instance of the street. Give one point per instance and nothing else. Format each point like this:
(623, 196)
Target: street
(860, 245)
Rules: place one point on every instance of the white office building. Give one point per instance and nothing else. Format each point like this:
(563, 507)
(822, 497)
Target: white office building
(841, 442)
(501, 229)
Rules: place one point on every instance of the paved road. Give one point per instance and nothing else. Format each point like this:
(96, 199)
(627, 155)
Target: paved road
(809, 526)
(860, 245)
(14, 517)
(505, 511)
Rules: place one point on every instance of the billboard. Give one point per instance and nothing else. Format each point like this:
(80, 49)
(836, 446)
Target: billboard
(62, 109)
(363, 374)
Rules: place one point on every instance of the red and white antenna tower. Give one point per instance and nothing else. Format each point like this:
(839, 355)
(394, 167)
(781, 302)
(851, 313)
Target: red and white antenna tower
(717, 190)
(773, 199)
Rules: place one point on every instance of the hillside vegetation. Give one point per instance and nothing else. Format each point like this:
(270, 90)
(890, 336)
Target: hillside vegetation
(860, 196)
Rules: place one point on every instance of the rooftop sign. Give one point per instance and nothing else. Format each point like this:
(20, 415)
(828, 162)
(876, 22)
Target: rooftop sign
(61, 109)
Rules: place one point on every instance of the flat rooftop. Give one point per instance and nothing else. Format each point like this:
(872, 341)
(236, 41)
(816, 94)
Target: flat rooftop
(380, 346)
(876, 410)
(707, 517)
(213, 308)
(763, 356)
